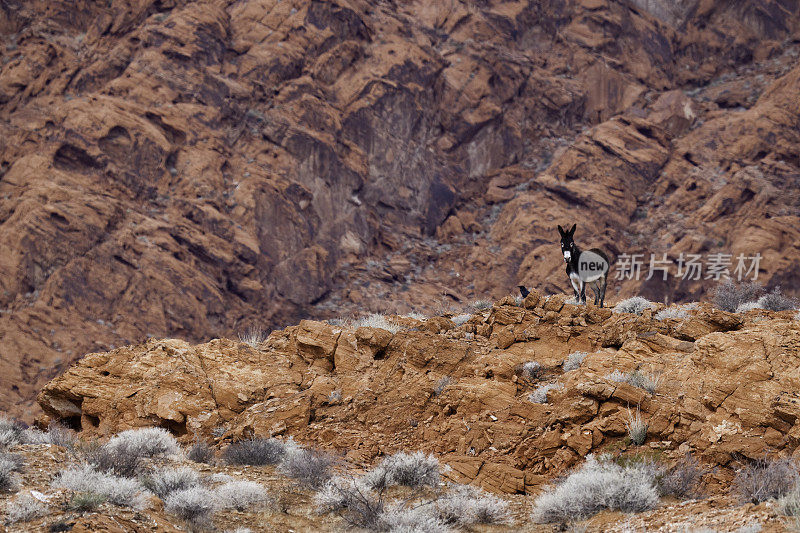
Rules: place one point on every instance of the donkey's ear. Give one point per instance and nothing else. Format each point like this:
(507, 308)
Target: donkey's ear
(561, 230)
(572, 231)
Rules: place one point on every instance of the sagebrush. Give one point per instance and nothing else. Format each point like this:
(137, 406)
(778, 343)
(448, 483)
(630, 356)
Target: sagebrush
(253, 337)
(637, 427)
(409, 469)
(399, 517)
(539, 395)
(12, 432)
(85, 501)
(196, 505)
(682, 479)
(200, 452)
(481, 305)
(121, 460)
(728, 295)
(118, 490)
(377, 321)
(10, 464)
(595, 486)
(464, 506)
(765, 479)
(637, 378)
(145, 442)
(240, 495)
(574, 360)
(530, 370)
(771, 301)
(360, 504)
(461, 319)
(676, 312)
(255, 452)
(635, 305)
(789, 503)
(24, 508)
(164, 482)
(311, 468)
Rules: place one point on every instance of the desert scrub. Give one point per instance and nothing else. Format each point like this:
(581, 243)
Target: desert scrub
(408, 469)
(377, 321)
(635, 305)
(772, 301)
(637, 378)
(596, 486)
(240, 495)
(364, 507)
(480, 305)
(120, 460)
(461, 319)
(195, 505)
(255, 452)
(359, 504)
(145, 442)
(765, 479)
(728, 295)
(311, 468)
(120, 491)
(775, 301)
(682, 479)
(464, 506)
(398, 517)
(200, 452)
(678, 312)
(530, 370)
(85, 501)
(637, 428)
(574, 360)
(253, 337)
(540, 394)
(59, 435)
(12, 432)
(24, 508)
(10, 464)
(789, 503)
(162, 483)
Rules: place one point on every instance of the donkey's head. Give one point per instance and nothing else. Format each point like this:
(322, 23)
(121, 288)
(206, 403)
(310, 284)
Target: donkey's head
(568, 248)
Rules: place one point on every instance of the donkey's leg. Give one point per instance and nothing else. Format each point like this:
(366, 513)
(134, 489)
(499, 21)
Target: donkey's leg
(595, 286)
(603, 289)
(583, 292)
(575, 288)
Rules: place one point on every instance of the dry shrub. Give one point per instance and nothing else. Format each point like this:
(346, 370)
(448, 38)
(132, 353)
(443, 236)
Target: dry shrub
(595, 486)
(311, 468)
(255, 452)
(408, 469)
(765, 479)
(728, 295)
(200, 452)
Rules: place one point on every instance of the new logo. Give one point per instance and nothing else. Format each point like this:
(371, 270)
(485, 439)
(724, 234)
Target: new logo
(591, 266)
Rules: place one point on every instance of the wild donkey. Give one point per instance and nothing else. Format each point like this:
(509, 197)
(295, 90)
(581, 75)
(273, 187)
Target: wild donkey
(578, 274)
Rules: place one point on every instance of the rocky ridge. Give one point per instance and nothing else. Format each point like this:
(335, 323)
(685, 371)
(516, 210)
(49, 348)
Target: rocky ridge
(726, 388)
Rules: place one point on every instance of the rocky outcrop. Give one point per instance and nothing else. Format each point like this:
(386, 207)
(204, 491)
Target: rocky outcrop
(725, 388)
(187, 169)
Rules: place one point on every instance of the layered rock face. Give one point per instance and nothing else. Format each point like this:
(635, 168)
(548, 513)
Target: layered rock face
(727, 388)
(187, 169)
